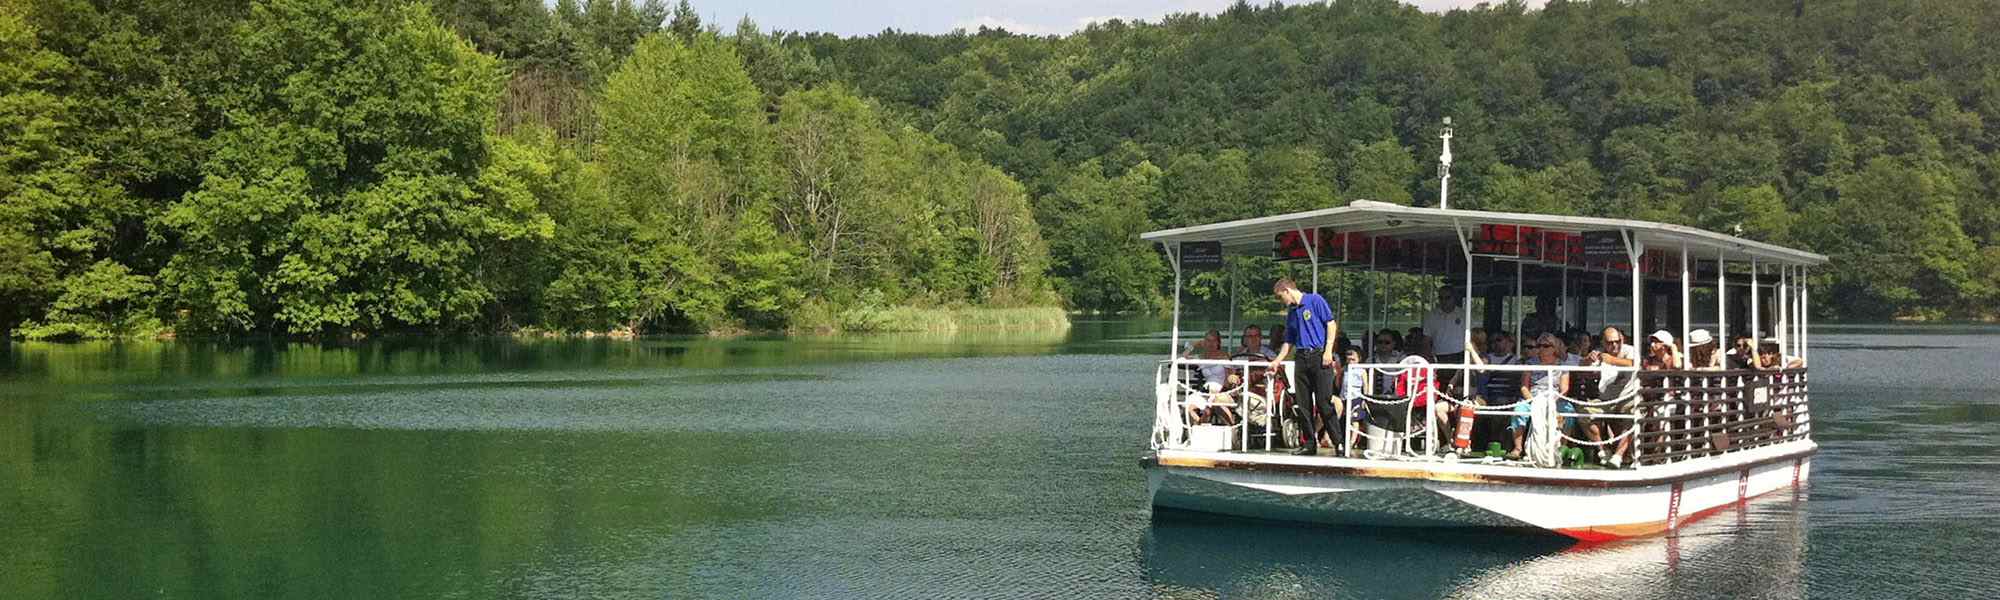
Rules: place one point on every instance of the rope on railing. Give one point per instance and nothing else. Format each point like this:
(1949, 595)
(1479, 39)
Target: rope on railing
(1618, 400)
(1466, 402)
(1372, 400)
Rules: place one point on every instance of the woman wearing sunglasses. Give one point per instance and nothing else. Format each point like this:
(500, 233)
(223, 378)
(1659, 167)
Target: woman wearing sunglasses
(1547, 350)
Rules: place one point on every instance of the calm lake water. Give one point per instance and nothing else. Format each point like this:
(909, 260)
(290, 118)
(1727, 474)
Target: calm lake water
(892, 467)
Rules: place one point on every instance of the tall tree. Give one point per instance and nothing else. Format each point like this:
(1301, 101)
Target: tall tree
(341, 192)
(685, 146)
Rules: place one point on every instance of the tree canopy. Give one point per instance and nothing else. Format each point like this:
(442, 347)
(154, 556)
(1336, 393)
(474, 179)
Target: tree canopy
(1791, 122)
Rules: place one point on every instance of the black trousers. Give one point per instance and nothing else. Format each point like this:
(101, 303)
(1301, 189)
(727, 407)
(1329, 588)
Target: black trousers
(1315, 399)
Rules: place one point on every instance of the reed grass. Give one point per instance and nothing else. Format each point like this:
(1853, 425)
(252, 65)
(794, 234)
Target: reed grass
(916, 319)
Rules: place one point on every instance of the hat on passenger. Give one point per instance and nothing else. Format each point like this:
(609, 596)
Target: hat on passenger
(1663, 336)
(1699, 337)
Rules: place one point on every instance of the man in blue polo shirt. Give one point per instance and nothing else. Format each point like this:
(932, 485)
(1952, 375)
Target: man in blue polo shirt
(1310, 328)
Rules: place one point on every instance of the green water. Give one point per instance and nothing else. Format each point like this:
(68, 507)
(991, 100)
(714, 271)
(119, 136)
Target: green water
(889, 466)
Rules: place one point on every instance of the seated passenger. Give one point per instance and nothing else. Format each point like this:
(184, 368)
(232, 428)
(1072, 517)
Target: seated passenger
(1388, 348)
(1547, 350)
(1253, 344)
(1578, 345)
(1543, 320)
(1741, 357)
(1769, 358)
(1475, 351)
(1415, 343)
(1386, 352)
(1613, 352)
(1354, 390)
(1702, 355)
(1661, 353)
(1209, 347)
(1214, 407)
(1502, 352)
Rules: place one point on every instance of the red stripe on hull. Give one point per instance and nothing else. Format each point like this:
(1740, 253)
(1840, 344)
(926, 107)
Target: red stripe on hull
(1607, 533)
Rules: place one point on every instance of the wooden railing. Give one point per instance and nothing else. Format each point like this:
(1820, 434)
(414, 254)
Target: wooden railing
(1692, 414)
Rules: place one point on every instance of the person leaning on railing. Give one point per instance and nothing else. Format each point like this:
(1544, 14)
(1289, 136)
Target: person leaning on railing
(1661, 353)
(1612, 351)
(1770, 359)
(1741, 355)
(1702, 355)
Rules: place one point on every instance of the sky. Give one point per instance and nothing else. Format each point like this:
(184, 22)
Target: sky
(857, 17)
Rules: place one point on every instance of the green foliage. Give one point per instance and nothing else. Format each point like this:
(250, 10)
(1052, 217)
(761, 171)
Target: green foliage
(342, 191)
(1093, 224)
(687, 154)
(1722, 115)
(65, 217)
(32, 162)
(1381, 171)
(1895, 233)
(883, 207)
(310, 166)
(1550, 190)
(105, 301)
(869, 315)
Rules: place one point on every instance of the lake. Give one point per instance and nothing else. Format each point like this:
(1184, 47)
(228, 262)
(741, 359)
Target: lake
(985, 465)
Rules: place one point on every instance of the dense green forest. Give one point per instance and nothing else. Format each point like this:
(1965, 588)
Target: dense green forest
(1858, 129)
(328, 167)
(313, 166)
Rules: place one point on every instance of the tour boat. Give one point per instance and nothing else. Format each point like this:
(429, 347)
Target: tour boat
(1702, 440)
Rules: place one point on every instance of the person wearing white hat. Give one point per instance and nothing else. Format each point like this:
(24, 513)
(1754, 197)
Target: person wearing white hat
(1702, 355)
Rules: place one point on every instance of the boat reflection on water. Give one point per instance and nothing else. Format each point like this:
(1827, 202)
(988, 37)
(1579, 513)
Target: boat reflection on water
(1757, 549)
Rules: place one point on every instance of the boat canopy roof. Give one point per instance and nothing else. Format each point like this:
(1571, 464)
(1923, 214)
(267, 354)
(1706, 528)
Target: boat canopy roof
(1382, 219)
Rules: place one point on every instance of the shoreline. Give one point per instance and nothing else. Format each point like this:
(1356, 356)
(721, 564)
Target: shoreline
(857, 321)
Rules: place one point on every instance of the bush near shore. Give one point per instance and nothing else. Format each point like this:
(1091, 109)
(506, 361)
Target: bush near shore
(821, 318)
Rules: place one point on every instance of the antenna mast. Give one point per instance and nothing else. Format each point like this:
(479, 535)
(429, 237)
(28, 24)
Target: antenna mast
(1444, 167)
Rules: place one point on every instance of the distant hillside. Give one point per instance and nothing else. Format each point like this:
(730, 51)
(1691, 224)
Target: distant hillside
(1868, 130)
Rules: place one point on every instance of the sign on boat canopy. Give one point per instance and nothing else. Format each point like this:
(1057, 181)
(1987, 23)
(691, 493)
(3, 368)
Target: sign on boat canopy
(1201, 256)
(1603, 246)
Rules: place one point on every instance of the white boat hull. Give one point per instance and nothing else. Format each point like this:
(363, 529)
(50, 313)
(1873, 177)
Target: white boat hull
(1589, 505)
